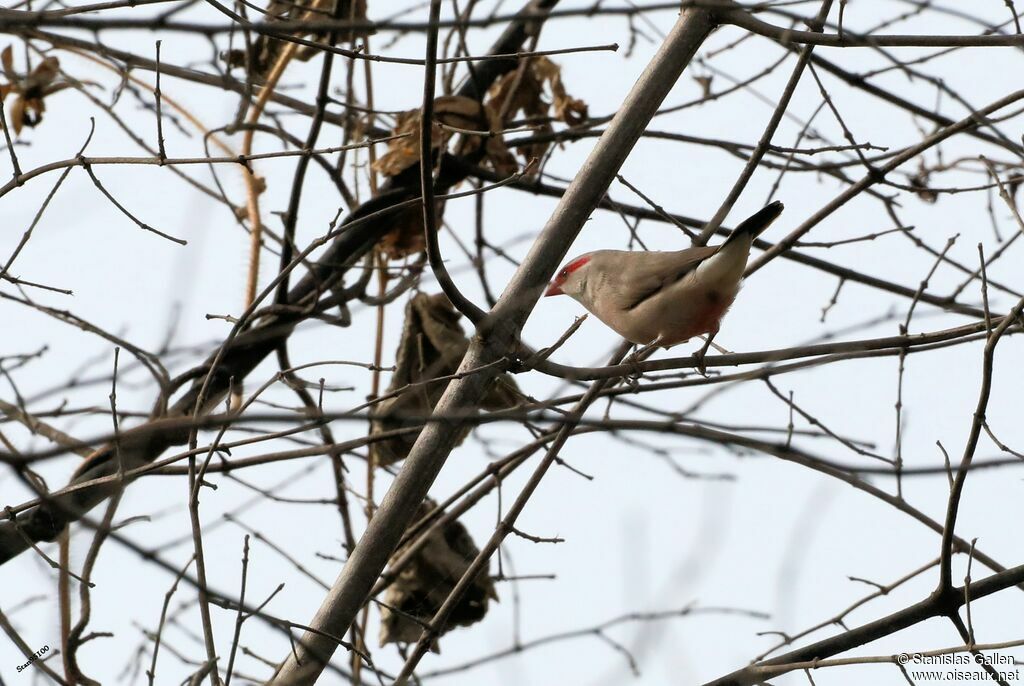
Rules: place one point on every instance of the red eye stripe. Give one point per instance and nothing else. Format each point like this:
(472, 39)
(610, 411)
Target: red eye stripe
(576, 264)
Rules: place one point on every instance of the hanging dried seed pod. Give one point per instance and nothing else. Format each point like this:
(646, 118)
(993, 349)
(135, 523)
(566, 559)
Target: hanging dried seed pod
(432, 345)
(425, 582)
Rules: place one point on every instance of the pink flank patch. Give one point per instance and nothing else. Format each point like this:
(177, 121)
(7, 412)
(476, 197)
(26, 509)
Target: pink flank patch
(710, 317)
(705, 320)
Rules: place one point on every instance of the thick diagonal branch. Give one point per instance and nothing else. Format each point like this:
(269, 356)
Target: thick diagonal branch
(496, 337)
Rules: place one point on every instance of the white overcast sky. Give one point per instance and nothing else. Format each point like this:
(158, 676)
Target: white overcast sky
(778, 538)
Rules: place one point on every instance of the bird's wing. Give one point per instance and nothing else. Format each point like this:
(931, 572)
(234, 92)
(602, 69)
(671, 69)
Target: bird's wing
(658, 271)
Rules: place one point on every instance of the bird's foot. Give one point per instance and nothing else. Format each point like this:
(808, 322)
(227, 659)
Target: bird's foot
(699, 364)
(699, 356)
(636, 371)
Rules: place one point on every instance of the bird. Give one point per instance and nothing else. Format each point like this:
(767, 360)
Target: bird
(663, 298)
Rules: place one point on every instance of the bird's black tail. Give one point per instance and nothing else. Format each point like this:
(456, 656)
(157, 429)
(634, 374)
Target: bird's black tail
(759, 221)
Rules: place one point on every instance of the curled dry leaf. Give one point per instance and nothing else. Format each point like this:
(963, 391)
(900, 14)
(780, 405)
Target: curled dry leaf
(453, 114)
(425, 582)
(919, 184)
(259, 184)
(568, 109)
(524, 90)
(705, 84)
(266, 49)
(404, 152)
(406, 238)
(29, 90)
(432, 345)
(496, 153)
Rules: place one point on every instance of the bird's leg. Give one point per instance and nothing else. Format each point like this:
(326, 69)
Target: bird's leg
(701, 367)
(646, 351)
(720, 349)
(639, 355)
(633, 378)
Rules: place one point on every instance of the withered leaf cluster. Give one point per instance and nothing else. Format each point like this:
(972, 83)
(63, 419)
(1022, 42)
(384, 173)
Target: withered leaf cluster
(536, 91)
(30, 90)
(425, 582)
(453, 114)
(407, 238)
(525, 90)
(432, 345)
(266, 49)
(919, 182)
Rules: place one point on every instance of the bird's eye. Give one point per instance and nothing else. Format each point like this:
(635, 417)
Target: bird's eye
(563, 274)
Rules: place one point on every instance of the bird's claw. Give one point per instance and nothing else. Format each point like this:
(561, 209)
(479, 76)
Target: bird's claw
(699, 362)
(636, 372)
(699, 357)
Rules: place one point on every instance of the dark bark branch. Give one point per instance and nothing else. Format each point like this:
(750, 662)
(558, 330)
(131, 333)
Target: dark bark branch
(362, 229)
(497, 337)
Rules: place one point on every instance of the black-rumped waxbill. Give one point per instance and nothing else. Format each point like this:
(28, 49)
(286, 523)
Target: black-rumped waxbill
(663, 298)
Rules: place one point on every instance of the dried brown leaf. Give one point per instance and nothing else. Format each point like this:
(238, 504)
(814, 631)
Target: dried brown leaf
(705, 84)
(259, 184)
(516, 91)
(460, 112)
(7, 59)
(266, 49)
(919, 184)
(403, 152)
(496, 153)
(406, 238)
(568, 109)
(30, 91)
(18, 115)
(499, 157)
(525, 90)
(452, 114)
(43, 74)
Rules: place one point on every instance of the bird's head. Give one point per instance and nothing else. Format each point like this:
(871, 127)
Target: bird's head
(571, 279)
